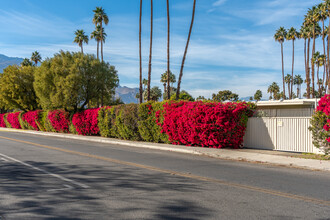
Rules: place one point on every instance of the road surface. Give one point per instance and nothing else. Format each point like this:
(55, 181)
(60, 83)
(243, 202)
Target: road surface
(52, 178)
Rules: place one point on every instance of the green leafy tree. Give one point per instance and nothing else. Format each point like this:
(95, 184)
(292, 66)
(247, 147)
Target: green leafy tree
(36, 57)
(184, 95)
(224, 95)
(258, 95)
(99, 18)
(74, 80)
(80, 38)
(16, 88)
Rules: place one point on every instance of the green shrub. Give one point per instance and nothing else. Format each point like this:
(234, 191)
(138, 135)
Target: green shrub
(105, 118)
(44, 123)
(8, 125)
(320, 135)
(24, 124)
(127, 122)
(148, 128)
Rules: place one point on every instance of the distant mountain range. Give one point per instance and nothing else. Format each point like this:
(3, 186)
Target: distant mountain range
(6, 61)
(127, 95)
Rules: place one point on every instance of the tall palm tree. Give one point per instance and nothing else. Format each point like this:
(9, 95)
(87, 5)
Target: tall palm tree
(323, 16)
(274, 89)
(327, 6)
(313, 16)
(298, 81)
(99, 18)
(186, 50)
(280, 37)
(96, 34)
(140, 53)
(304, 33)
(36, 57)
(292, 35)
(165, 80)
(80, 38)
(168, 49)
(150, 50)
(26, 62)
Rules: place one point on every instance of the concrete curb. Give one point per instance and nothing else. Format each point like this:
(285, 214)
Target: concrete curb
(228, 154)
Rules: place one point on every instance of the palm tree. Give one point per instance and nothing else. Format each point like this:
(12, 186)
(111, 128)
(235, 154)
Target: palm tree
(315, 62)
(304, 33)
(327, 6)
(280, 37)
(168, 50)
(274, 89)
(298, 81)
(150, 51)
(165, 80)
(323, 16)
(185, 52)
(145, 83)
(288, 79)
(140, 52)
(292, 35)
(96, 34)
(26, 62)
(99, 18)
(80, 38)
(36, 57)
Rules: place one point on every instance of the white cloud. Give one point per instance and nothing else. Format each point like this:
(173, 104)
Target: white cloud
(219, 2)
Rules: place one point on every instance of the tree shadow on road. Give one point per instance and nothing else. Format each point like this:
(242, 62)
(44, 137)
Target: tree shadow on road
(116, 192)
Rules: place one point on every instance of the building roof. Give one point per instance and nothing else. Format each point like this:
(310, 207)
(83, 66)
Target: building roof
(291, 103)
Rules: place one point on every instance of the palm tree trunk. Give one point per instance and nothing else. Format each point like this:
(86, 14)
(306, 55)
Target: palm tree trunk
(283, 71)
(168, 49)
(317, 80)
(98, 45)
(101, 41)
(308, 81)
(140, 52)
(185, 52)
(313, 67)
(328, 59)
(82, 50)
(150, 52)
(325, 65)
(292, 69)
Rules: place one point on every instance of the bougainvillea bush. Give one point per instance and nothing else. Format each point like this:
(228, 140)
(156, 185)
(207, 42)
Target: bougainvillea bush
(85, 122)
(12, 119)
(2, 121)
(59, 120)
(30, 120)
(203, 124)
(320, 125)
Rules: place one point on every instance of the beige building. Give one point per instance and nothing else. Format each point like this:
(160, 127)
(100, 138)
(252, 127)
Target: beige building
(281, 125)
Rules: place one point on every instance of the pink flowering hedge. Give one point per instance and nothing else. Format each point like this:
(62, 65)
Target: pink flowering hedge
(12, 119)
(86, 123)
(214, 125)
(32, 119)
(59, 120)
(2, 121)
(320, 125)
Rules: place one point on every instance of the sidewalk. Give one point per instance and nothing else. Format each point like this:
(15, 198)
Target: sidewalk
(249, 155)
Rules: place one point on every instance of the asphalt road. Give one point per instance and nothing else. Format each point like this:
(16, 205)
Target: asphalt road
(51, 178)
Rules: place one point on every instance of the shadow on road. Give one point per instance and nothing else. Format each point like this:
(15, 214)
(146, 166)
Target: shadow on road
(116, 192)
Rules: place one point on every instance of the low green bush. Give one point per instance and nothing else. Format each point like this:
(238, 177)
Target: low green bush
(8, 125)
(148, 128)
(127, 122)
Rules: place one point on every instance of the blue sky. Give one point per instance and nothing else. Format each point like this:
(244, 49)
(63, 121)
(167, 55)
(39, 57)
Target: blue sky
(232, 45)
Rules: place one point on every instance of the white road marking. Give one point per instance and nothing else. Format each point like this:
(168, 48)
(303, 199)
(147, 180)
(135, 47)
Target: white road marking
(3, 159)
(46, 172)
(67, 187)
